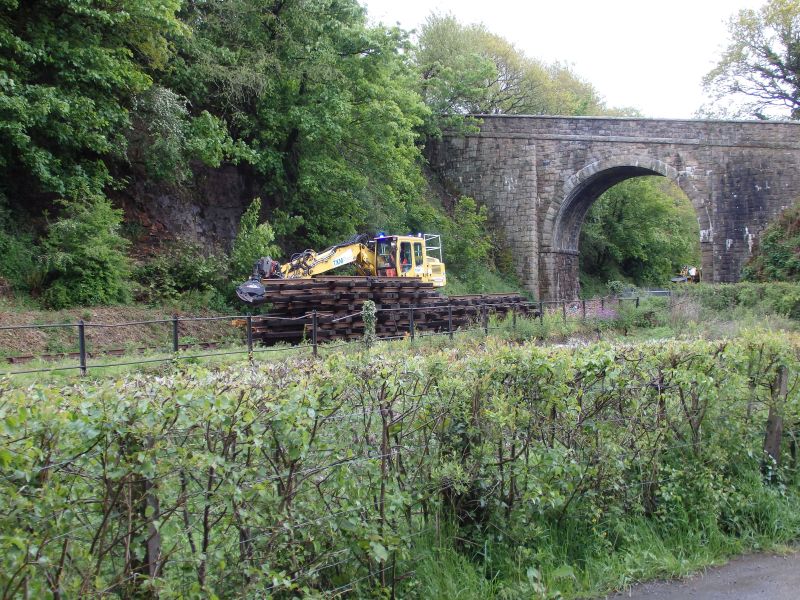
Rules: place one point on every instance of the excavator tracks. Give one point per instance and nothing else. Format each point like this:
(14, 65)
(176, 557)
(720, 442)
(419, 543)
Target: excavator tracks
(339, 300)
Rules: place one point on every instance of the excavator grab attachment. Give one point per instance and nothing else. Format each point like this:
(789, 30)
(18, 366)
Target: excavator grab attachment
(253, 291)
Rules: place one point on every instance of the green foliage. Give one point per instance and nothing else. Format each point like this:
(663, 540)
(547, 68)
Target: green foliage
(643, 229)
(165, 138)
(67, 79)
(20, 264)
(777, 255)
(253, 241)
(184, 268)
(86, 256)
(369, 312)
(778, 298)
(468, 239)
(759, 72)
(330, 125)
(519, 470)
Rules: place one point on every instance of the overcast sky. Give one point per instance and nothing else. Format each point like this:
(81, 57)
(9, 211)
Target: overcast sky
(640, 53)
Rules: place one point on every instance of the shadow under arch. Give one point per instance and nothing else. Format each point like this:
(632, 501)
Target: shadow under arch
(559, 241)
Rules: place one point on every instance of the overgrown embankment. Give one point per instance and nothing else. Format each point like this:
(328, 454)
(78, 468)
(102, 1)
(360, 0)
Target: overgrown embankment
(499, 471)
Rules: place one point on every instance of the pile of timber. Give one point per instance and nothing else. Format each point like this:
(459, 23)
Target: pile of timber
(338, 302)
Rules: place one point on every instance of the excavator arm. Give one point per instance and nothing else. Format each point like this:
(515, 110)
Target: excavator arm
(307, 264)
(310, 263)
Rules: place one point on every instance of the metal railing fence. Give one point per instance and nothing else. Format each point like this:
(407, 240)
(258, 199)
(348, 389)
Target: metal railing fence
(582, 309)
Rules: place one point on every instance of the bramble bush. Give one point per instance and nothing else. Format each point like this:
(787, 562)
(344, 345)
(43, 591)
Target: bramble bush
(341, 476)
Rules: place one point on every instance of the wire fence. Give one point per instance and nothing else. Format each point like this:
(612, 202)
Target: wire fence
(596, 308)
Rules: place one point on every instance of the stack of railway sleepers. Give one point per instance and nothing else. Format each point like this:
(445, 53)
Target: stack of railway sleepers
(339, 300)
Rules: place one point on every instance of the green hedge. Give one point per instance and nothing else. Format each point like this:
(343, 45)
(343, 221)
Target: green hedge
(330, 478)
(782, 298)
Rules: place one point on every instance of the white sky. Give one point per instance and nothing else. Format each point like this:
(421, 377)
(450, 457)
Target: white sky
(640, 53)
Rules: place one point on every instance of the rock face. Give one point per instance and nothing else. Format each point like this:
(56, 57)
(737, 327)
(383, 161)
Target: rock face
(207, 210)
(539, 176)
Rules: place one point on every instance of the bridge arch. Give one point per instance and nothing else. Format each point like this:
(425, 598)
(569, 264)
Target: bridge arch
(583, 188)
(564, 218)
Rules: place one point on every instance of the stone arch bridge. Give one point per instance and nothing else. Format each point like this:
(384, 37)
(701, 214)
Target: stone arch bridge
(539, 175)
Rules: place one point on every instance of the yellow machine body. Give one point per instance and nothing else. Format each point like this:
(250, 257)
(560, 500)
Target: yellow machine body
(383, 256)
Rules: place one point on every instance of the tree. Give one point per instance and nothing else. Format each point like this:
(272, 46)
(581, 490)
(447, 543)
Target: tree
(86, 255)
(69, 70)
(465, 69)
(759, 72)
(642, 229)
(323, 106)
(253, 241)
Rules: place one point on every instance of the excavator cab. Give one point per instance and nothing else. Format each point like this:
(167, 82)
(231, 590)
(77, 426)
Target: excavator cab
(407, 256)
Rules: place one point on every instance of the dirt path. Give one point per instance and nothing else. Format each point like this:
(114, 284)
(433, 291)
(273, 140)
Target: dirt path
(750, 577)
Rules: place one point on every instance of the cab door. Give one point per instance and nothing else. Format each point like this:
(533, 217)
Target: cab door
(419, 259)
(405, 260)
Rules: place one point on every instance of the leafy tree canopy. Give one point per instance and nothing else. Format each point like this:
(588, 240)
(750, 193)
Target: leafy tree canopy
(323, 106)
(759, 72)
(69, 70)
(644, 229)
(467, 69)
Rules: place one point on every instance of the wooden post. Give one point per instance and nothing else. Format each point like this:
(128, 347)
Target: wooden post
(450, 321)
(250, 337)
(564, 311)
(541, 313)
(774, 429)
(314, 323)
(175, 346)
(583, 308)
(411, 321)
(82, 346)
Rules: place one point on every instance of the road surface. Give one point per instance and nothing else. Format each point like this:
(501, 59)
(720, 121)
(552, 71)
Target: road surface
(749, 577)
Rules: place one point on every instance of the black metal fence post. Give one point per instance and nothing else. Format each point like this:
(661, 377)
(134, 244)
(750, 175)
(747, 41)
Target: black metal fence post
(450, 321)
(637, 301)
(583, 308)
(514, 317)
(314, 323)
(485, 319)
(175, 345)
(250, 337)
(541, 313)
(82, 345)
(602, 302)
(411, 321)
(564, 311)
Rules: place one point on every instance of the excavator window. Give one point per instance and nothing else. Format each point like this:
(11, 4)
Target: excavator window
(405, 256)
(418, 259)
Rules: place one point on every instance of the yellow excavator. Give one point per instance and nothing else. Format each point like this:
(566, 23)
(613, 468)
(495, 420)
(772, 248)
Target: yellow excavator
(381, 256)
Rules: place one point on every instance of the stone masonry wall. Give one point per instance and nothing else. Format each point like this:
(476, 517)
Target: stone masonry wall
(538, 176)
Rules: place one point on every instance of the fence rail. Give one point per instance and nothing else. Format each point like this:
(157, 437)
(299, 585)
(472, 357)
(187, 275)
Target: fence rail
(581, 309)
